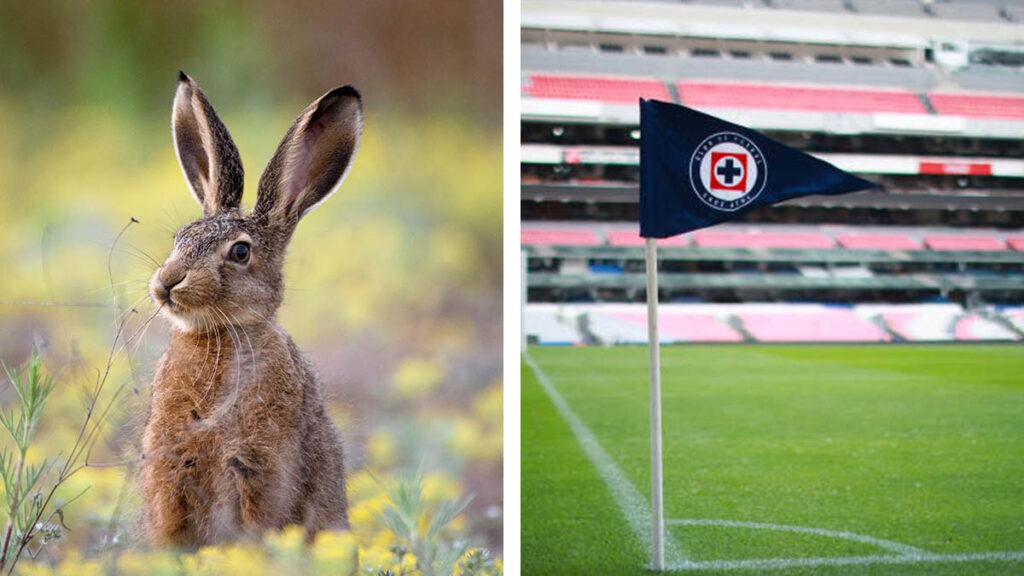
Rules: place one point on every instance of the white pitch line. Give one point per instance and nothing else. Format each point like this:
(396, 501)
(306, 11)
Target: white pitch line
(633, 506)
(889, 545)
(783, 563)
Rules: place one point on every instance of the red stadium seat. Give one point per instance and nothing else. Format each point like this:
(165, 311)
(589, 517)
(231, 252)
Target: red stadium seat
(878, 242)
(980, 243)
(752, 240)
(775, 97)
(632, 238)
(981, 106)
(1016, 243)
(564, 237)
(620, 90)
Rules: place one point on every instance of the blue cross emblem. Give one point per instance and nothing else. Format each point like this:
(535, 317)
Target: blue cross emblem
(728, 170)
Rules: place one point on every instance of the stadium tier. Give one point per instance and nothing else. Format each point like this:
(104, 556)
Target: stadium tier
(559, 237)
(578, 324)
(977, 105)
(594, 88)
(776, 97)
(773, 96)
(965, 243)
(878, 242)
(777, 237)
(757, 239)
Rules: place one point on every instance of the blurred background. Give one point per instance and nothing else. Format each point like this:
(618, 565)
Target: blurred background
(925, 98)
(393, 286)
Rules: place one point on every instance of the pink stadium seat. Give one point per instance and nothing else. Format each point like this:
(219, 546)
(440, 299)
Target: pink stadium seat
(878, 242)
(978, 105)
(775, 97)
(623, 90)
(689, 327)
(1016, 243)
(632, 238)
(820, 326)
(566, 237)
(758, 240)
(986, 243)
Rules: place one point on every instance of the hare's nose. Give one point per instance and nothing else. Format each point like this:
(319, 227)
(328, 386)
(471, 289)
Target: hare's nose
(169, 281)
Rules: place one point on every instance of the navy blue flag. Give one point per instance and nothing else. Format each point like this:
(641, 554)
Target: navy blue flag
(697, 170)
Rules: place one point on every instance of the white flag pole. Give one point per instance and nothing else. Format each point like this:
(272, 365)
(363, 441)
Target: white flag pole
(524, 291)
(653, 345)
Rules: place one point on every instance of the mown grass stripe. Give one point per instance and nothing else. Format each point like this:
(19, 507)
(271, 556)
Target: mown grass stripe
(889, 545)
(785, 563)
(633, 506)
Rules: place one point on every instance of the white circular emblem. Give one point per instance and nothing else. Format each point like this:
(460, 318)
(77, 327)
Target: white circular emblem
(727, 171)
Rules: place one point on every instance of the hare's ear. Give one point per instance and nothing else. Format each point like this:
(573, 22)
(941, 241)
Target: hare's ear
(313, 158)
(206, 152)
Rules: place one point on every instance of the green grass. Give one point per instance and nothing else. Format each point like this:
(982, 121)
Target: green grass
(923, 446)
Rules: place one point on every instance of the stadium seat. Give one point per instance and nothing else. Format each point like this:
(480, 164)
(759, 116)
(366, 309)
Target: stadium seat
(632, 238)
(562, 237)
(878, 242)
(925, 323)
(817, 324)
(777, 97)
(972, 243)
(677, 324)
(762, 240)
(1015, 315)
(550, 326)
(1016, 243)
(975, 105)
(974, 327)
(618, 90)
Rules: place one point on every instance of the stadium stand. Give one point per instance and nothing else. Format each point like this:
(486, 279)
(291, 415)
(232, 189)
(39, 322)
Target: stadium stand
(758, 239)
(977, 105)
(630, 238)
(960, 242)
(561, 237)
(777, 97)
(878, 242)
(926, 98)
(809, 324)
(575, 324)
(595, 88)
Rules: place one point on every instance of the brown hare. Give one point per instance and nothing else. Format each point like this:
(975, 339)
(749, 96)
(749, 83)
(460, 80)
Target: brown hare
(237, 440)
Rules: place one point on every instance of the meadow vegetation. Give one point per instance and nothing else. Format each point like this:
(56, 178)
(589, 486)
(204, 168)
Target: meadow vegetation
(392, 290)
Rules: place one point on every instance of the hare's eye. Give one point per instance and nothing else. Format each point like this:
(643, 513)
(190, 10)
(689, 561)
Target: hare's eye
(239, 252)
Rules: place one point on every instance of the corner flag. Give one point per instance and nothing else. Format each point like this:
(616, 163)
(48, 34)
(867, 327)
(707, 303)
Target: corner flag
(697, 170)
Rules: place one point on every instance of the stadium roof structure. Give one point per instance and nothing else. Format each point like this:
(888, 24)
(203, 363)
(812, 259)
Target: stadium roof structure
(763, 24)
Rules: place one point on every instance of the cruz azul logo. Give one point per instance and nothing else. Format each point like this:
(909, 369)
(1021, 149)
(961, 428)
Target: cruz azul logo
(727, 171)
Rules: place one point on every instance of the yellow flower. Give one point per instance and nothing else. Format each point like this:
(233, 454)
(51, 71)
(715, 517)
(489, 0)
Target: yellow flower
(416, 377)
(30, 568)
(438, 487)
(488, 404)
(375, 557)
(291, 538)
(381, 449)
(335, 553)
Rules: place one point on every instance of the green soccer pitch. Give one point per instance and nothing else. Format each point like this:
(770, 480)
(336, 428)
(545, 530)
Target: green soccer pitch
(889, 459)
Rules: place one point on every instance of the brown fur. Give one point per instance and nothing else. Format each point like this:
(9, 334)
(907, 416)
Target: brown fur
(237, 440)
